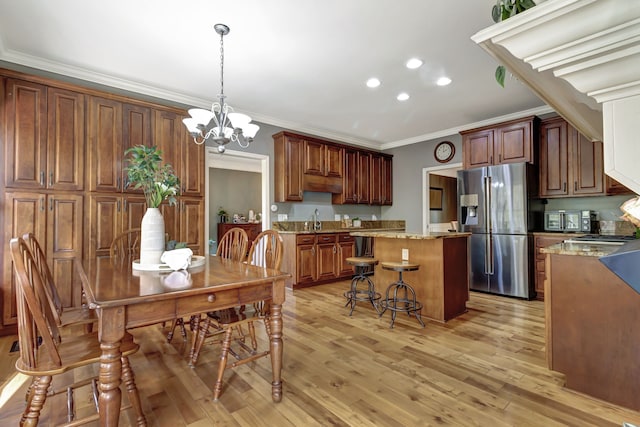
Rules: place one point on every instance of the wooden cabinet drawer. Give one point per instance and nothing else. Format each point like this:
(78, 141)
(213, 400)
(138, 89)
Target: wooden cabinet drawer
(326, 238)
(305, 239)
(345, 237)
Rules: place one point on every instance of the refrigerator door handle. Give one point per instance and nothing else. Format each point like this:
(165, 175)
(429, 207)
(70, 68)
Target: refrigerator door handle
(487, 204)
(488, 262)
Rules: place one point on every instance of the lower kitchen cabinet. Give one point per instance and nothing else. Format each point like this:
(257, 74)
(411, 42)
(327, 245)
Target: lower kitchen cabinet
(544, 240)
(319, 258)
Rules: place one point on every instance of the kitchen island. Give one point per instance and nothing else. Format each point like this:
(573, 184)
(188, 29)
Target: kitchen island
(441, 283)
(592, 322)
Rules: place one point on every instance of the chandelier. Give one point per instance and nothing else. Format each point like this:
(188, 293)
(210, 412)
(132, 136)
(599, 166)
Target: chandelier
(220, 125)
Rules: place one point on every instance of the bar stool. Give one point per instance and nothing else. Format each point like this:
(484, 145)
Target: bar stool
(403, 296)
(354, 294)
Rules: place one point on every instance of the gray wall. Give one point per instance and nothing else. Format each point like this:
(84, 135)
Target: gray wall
(236, 192)
(408, 162)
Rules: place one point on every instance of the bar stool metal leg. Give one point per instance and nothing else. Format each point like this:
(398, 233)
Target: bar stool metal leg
(354, 294)
(399, 296)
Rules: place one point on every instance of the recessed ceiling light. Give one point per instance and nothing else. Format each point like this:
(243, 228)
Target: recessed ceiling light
(402, 96)
(443, 81)
(414, 63)
(373, 82)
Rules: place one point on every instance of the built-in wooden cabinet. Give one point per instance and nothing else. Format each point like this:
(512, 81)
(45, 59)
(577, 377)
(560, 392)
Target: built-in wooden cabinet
(570, 164)
(509, 142)
(65, 178)
(56, 220)
(109, 214)
(288, 152)
(380, 179)
(44, 129)
(322, 159)
(319, 257)
(353, 176)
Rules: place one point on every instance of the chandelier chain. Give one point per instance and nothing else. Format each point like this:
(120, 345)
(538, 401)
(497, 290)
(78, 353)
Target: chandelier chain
(221, 64)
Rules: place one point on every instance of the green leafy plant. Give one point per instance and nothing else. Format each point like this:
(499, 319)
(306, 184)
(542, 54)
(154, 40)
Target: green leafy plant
(504, 9)
(145, 170)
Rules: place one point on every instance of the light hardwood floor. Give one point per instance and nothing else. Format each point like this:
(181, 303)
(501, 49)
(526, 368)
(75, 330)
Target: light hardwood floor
(485, 368)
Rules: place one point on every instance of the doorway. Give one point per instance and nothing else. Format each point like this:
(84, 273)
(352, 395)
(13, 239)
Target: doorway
(428, 194)
(239, 161)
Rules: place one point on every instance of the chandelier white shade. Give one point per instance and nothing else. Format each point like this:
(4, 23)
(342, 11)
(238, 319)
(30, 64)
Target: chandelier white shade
(220, 125)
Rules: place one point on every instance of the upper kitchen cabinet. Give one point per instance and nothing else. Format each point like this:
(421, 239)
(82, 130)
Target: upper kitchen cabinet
(44, 137)
(381, 175)
(570, 164)
(322, 159)
(509, 142)
(288, 151)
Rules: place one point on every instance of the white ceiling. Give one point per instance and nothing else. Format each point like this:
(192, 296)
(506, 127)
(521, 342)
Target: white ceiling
(297, 64)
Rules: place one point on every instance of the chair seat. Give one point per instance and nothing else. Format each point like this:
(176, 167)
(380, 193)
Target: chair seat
(399, 265)
(74, 351)
(361, 261)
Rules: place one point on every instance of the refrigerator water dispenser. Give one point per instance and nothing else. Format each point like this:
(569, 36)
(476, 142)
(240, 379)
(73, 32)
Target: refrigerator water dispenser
(469, 206)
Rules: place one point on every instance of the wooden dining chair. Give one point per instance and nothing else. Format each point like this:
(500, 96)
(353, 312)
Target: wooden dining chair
(233, 245)
(64, 316)
(266, 251)
(126, 245)
(44, 353)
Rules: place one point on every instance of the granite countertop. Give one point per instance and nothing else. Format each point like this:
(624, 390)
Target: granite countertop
(580, 249)
(341, 230)
(403, 235)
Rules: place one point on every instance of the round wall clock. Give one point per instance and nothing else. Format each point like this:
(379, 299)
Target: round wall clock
(444, 151)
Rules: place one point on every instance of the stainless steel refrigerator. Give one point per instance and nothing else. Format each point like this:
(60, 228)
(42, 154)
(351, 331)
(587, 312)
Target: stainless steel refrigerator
(494, 207)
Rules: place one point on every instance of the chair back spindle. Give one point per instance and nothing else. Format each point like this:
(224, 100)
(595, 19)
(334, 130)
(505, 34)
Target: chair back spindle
(233, 245)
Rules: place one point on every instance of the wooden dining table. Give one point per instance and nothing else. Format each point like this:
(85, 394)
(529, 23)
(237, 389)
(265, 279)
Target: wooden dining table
(125, 298)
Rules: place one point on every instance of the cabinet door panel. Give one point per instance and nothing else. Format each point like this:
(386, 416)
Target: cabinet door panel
(193, 163)
(350, 179)
(288, 168)
(387, 181)
(306, 262)
(133, 209)
(314, 158)
(346, 249)
(26, 130)
(514, 143)
(376, 179)
(64, 245)
(554, 161)
(588, 175)
(105, 153)
(105, 219)
(478, 149)
(326, 261)
(192, 224)
(65, 140)
(364, 170)
(24, 212)
(167, 136)
(335, 164)
(136, 130)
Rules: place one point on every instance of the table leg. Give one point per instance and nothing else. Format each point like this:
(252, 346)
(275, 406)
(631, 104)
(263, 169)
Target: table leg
(276, 351)
(110, 335)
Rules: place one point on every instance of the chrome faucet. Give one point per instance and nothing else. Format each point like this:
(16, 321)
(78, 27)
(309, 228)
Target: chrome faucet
(317, 225)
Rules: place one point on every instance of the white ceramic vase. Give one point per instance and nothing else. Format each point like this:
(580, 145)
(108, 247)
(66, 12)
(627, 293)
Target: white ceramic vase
(151, 237)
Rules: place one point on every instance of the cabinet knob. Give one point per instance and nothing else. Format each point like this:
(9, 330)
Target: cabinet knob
(211, 298)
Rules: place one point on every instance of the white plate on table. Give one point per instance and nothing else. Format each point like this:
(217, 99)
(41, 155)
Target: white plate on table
(196, 261)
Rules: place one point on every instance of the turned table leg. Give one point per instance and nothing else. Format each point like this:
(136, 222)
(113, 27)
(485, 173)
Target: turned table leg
(111, 332)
